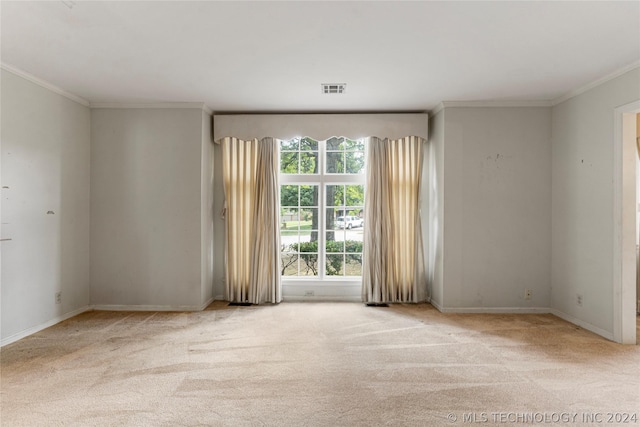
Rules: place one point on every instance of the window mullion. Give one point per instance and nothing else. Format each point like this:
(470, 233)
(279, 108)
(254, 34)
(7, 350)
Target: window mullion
(321, 230)
(322, 233)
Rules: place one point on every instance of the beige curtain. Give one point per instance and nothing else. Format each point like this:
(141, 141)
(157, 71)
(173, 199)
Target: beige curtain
(393, 261)
(250, 171)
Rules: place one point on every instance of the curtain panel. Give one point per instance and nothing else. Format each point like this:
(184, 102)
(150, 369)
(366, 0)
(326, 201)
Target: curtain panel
(250, 173)
(393, 260)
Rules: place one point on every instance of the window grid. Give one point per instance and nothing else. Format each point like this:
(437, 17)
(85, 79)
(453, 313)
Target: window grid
(343, 217)
(298, 204)
(323, 180)
(299, 156)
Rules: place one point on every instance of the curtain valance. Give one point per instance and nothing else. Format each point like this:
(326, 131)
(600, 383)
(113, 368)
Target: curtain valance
(369, 139)
(320, 126)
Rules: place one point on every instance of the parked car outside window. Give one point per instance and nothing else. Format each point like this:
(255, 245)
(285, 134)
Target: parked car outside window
(349, 222)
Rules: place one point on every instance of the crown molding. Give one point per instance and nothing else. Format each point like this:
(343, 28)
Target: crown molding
(496, 104)
(595, 83)
(53, 88)
(157, 105)
(490, 104)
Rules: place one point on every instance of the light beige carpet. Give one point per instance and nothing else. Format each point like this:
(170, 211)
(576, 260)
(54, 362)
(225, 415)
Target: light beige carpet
(314, 364)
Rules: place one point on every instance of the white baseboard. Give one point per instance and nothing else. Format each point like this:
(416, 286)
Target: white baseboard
(492, 310)
(435, 304)
(585, 325)
(206, 304)
(124, 307)
(527, 310)
(58, 319)
(45, 325)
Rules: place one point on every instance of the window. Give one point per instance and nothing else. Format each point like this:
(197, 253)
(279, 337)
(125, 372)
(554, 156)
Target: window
(322, 208)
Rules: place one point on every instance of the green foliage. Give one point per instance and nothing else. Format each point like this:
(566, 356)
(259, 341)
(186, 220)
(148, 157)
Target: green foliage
(354, 195)
(353, 246)
(345, 195)
(308, 195)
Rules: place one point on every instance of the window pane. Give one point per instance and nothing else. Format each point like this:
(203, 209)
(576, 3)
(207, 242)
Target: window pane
(289, 264)
(289, 241)
(308, 264)
(308, 195)
(357, 212)
(335, 144)
(309, 162)
(334, 245)
(291, 145)
(355, 195)
(354, 265)
(308, 144)
(335, 195)
(309, 219)
(335, 265)
(354, 145)
(355, 162)
(354, 244)
(330, 218)
(289, 218)
(308, 241)
(335, 162)
(289, 162)
(288, 195)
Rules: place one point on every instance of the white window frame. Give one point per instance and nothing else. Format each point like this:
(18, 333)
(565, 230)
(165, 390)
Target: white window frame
(323, 286)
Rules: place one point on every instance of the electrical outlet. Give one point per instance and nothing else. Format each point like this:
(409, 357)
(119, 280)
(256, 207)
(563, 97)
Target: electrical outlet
(527, 294)
(308, 293)
(58, 297)
(579, 299)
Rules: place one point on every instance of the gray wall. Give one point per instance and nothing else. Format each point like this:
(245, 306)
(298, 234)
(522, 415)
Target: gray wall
(146, 218)
(582, 213)
(45, 165)
(497, 208)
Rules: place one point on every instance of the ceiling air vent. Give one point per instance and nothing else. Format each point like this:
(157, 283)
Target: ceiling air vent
(334, 88)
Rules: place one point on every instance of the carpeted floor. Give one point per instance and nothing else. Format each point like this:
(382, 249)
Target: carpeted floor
(316, 364)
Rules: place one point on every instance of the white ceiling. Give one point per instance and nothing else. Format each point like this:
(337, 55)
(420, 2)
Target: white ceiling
(273, 56)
